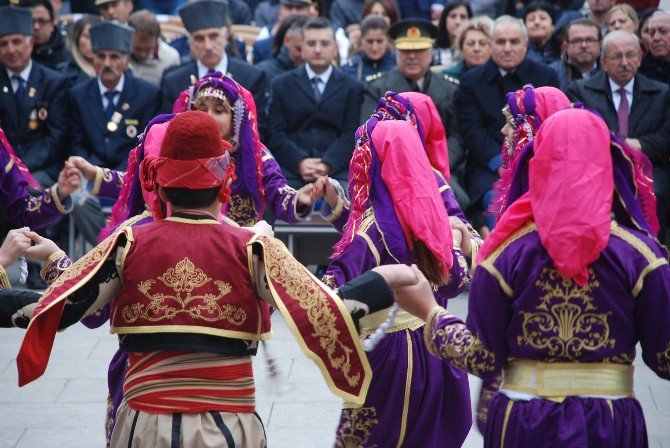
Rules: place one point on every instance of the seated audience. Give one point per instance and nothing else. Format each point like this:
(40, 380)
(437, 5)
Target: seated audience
(473, 40)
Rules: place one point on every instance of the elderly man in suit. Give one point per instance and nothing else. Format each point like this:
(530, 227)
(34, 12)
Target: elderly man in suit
(32, 107)
(635, 107)
(32, 99)
(205, 21)
(107, 113)
(479, 102)
(413, 40)
(314, 112)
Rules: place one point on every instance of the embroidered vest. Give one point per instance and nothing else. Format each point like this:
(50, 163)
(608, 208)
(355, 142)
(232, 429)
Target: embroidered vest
(189, 276)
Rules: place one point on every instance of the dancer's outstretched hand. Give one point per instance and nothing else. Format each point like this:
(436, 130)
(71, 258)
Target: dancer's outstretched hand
(417, 299)
(68, 180)
(42, 249)
(83, 165)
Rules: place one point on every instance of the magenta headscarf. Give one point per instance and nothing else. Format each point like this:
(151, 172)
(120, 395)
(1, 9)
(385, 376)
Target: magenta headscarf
(570, 193)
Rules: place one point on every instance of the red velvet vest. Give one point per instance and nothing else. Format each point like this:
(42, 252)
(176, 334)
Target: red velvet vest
(189, 276)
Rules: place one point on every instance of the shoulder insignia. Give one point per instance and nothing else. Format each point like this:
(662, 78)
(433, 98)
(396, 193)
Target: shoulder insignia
(451, 79)
(375, 76)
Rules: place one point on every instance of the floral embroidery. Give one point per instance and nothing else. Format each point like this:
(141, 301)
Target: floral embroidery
(355, 427)
(183, 279)
(566, 322)
(663, 359)
(282, 268)
(460, 346)
(54, 267)
(242, 210)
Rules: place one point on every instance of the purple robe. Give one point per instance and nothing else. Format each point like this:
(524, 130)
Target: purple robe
(20, 207)
(414, 399)
(521, 308)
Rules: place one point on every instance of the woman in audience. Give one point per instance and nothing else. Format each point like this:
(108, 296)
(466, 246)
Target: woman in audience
(385, 9)
(375, 55)
(539, 20)
(622, 17)
(474, 43)
(80, 67)
(643, 29)
(446, 52)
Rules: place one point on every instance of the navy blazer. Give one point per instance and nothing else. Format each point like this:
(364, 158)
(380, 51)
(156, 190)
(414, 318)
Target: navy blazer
(42, 148)
(140, 101)
(176, 79)
(301, 127)
(479, 102)
(262, 49)
(649, 118)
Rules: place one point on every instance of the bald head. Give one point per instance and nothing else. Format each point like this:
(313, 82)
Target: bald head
(659, 33)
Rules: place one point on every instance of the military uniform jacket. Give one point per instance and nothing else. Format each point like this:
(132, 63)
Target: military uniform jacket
(179, 78)
(36, 129)
(90, 138)
(440, 88)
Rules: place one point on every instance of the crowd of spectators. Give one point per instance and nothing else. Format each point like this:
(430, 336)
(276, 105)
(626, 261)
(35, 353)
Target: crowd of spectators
(318, 67)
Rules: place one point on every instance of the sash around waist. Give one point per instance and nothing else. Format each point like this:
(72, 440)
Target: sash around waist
(403, 321)
(557, 380)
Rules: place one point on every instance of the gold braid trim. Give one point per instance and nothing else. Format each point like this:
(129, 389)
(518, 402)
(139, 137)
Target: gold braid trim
(54, 266)
(4, 280)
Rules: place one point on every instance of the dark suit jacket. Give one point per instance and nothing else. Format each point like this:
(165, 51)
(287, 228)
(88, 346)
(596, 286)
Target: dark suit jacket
(300, 127)
(479, 102)
(179, 78)
(44, 147)
(649, 119)
(442, 92)
(139, 102)
(262, 49)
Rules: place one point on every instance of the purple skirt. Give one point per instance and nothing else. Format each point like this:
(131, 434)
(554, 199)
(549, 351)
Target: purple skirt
(576, 422)
(434, 405)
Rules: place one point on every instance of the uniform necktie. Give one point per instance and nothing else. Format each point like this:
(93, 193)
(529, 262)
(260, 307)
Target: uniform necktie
(622, 113)
(109, 110)
(21, 89)
(316, 82)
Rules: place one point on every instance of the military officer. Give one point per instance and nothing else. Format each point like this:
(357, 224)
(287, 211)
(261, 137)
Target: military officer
(414, 45)
(107, 112)
(205, 21)
(32, 99)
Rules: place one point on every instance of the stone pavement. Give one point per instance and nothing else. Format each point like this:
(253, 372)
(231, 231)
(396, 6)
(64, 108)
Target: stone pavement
(66, 407)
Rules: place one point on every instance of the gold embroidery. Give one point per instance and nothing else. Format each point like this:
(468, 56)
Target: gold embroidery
(4, 280)
(54, 266)
(464, 350)
(355, 427)
(242, 210)
(465, 270)
(184, 278)
(282, 268)
(621, 358)
(566, 321)
(663, 359)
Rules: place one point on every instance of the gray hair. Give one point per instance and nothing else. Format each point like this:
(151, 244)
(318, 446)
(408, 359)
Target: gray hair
(612, 35)
(509, 19)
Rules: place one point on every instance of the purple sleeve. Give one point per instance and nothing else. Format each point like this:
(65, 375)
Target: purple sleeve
(459, 279)
(107, 183)
(282, 199)
(480, 346)
(54, 266)
(359, 257)
(98, 318)
(23, 209)
(652, 314)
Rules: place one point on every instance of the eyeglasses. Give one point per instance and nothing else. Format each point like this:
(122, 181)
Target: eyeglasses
(619, 57)
(587, 41)
(41, 22)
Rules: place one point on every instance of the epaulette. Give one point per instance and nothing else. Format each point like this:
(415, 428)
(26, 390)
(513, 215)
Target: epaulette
(375, 76)
(451, 79)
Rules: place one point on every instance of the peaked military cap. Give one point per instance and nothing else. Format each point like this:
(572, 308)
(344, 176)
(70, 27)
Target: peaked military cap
(111, 36)
(296, 2)
(413, 34)
(15, 21)
(204, 14)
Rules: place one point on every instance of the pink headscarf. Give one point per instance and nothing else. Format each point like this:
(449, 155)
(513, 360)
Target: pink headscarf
(570, 193)
(409, 179)
(434, 135)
